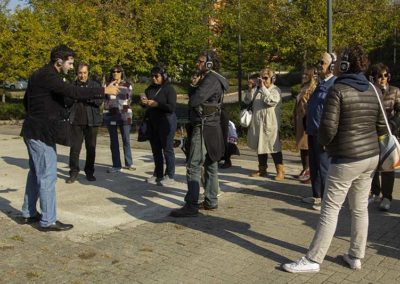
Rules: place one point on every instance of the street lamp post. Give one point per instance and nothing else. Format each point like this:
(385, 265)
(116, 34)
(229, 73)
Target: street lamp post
(329, 24)
(239, 54)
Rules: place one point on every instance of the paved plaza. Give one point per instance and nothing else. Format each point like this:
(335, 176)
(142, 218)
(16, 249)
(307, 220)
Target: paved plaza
(123, 234)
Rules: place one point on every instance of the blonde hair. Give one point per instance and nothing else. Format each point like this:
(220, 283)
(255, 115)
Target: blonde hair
(268, 71)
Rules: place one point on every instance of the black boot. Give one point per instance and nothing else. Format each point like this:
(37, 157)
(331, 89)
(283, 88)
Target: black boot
(73, 177)
(185, 211)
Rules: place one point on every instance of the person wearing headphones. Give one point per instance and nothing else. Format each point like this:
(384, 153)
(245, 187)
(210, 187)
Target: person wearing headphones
(118, 115)
(43, 102)
(207, 143)
(85, 118)
(160, 101)
(391, 102)
(351, 122)
(319, 159)
(263, 131)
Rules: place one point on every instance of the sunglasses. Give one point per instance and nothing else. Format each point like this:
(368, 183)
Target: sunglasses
(381, 76)
(155, 76)
(200, 61)
(265, 78)
(116, 71)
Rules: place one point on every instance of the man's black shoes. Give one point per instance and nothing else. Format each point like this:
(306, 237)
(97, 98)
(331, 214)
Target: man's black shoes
(57, 226)
(31, 220)
(204, 206)
(72, 179)
(185, 211)
(90, 177)
(226, 165)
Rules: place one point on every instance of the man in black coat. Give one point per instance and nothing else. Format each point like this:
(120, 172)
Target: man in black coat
(85, 118)
(44, 105)
(207, 143)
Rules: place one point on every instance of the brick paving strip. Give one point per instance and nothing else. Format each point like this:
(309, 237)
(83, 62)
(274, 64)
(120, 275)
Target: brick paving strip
(122, 232)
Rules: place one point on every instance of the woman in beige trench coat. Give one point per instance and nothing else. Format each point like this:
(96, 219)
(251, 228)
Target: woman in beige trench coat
(263, 132)
(308, 84)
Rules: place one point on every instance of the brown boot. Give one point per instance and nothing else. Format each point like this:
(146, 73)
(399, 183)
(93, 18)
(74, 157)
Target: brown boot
(280, 172)
(262, 172)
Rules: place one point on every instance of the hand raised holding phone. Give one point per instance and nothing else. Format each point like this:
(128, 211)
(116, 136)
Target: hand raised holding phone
(111, 89)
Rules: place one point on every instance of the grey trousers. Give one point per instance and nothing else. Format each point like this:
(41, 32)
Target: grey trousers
(350, 178)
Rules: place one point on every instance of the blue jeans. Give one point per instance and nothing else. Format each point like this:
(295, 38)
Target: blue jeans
(197, 158)
(41, 182)
(319, 164)
(162, 141)
(114, 146)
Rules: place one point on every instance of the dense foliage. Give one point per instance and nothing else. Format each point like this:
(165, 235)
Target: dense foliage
(137, 33)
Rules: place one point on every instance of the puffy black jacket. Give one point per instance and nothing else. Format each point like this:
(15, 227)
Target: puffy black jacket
(351, 123)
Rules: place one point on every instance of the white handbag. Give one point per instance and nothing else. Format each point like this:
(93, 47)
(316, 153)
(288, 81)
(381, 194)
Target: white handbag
(246, 114)
(245, 117)
(389, 157)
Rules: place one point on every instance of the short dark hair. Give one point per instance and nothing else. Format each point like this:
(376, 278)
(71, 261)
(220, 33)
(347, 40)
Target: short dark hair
(61, 52)
(213, 56)
(357, 57)
(378, 69)
(158, 69)
(81, 65)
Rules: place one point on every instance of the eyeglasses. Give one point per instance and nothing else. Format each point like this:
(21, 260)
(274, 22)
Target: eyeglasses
(265, 78)
(116, 71)
(381, 76)
(321, 62)
(155, 75)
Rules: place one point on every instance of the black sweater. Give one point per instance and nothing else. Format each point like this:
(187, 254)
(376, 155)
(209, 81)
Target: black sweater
(165, 96)
(44, 103)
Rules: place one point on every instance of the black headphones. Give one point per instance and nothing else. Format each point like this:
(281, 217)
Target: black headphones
(273, 77)
(164, 74)
(59, 62)
(209, 62)
(344, 62)
(160, 70)
(333, 62)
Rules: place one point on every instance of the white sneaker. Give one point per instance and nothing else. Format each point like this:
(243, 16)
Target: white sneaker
(385, 204)
(167, 181)
(301, 266)
(354, 263)
(316, 207)
(114, 170)
(152, 180)
(374, 199)
(312, 200)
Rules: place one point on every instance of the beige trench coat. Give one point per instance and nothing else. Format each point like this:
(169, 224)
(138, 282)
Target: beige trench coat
(263, 132)
(299, 114)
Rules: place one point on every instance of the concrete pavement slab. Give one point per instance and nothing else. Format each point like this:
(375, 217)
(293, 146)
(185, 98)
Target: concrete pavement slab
(122, 232)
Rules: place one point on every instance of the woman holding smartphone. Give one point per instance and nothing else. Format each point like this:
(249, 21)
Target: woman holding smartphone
(118, 115)
(160, 100)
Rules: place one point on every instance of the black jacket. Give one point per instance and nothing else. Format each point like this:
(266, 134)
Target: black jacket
(208, 93)
(165, 96)
(351, 121)
(44, 103)
(86, 112)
